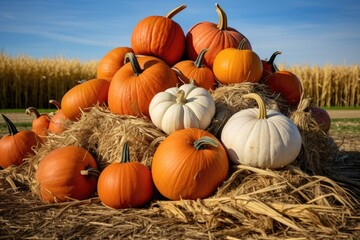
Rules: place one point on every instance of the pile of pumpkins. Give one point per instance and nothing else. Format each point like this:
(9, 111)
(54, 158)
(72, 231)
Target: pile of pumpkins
(166, 77)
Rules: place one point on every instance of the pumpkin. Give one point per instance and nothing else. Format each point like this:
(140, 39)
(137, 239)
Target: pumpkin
(236, 65)
(40, 125)
(212, 36)
(68, 172)
(160, 37)
(261, 138)
(136, 83)
(322, 118)
(58, 121)
(84, 96)
(269, 66)
(201, 74)
(187, 106)
(125, 184)
(189, 164)
(111, 62)
(287, 84)
(17, 145)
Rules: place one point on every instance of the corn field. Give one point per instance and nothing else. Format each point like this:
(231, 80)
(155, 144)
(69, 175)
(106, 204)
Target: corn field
(25, 81)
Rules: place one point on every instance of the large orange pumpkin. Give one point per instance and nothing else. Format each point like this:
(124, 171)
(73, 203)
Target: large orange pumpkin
(287, 84)
(160, 37)
(17, 145)
(125, 184)
(40, 125)
(66, 173)
(111, 62)
(84, 96)
(236, 65)
(189, 164)
(200, 74)
(215, 37)
(136, 83)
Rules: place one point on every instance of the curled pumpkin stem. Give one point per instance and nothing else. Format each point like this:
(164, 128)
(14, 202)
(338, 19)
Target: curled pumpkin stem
(175, 11)
(223, 23)
(10, 125)
(31, 110)
(199, 60)
(260, 102)
(130, 57)
(203, 141)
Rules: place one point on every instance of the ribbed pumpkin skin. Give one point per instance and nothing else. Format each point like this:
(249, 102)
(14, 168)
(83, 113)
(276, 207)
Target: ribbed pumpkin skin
(160, 37)
(130, 94)
(84, 96)
(233, 65)
(124, 185)
(59, 175)
(202, 76)
(181, 171)
(287, 84)
(207, 35)
(58, 120)
(111, 62)
(271, 143)
(14, 148)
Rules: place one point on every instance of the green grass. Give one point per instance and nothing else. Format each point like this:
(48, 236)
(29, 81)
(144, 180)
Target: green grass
(21, 110)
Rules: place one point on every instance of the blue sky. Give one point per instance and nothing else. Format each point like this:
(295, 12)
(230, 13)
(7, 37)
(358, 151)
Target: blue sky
(314, 32)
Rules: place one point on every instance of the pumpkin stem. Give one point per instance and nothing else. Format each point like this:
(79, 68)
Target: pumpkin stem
(223, 24)
(242, 44)
(90, 172)
(180, 75)
(199, 60)
(130, 57)
(30, 110)
(175, 11)
(56, 103)
(10, 125)
(125, 155)
(271, 61)
(205, 140)
(180, 97)
(260, 102)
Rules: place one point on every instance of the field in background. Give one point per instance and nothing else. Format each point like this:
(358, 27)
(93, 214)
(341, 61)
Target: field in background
(25, 81)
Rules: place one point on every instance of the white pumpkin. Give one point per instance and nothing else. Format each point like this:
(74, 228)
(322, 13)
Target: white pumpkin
(260, 138)
(187, 106)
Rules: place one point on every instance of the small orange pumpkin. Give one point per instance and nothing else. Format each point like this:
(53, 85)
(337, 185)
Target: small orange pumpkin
(125, 184)
(201, 74)
(58, 121)
(40, 125)
(84, 96)
(236, 65)
(17, 145)
(189, 164)
(68, 172)
(160, 37)
(111, 62)
(136, 83)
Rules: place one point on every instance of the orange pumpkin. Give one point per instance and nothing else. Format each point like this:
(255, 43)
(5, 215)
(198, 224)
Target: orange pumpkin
(236, 65)
(201, 74)
(40, 125)
(215, 37)
(125, 184)
(160, 37)
(66, 173)
(84, 96)
(189, 164)
(287, 84)
(17, 145)
(136, 83)
(58, 121)
(111, 62)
